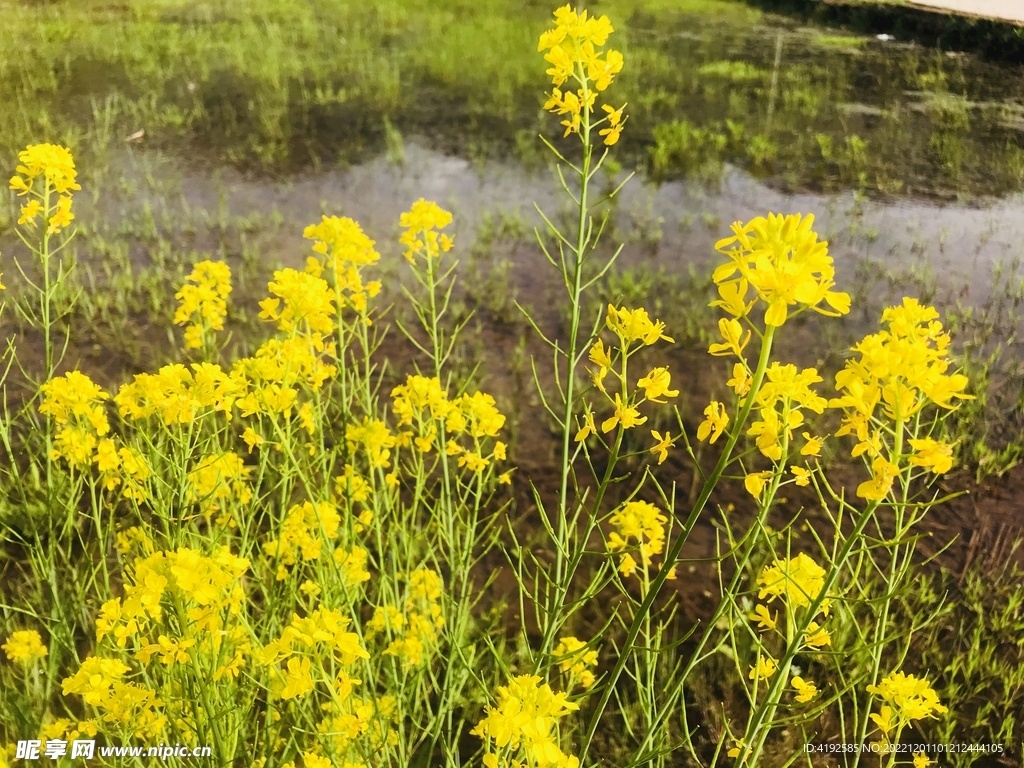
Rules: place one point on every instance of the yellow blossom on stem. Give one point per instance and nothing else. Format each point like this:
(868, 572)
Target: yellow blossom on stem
(766, 667)
(656, 384)
(755, 483)
(805, 690)
(764, 619)
(781, 258)
(625, 416)
(932, 455)
(24, 646)
(715, 422)
(660, 448)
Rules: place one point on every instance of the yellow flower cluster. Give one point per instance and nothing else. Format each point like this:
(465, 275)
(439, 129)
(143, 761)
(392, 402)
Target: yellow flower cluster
(278, 366)
(781, 258)
(57, 167)
(634, 329)
(783, 395)
(75, 403)
(217, 479)
(906, 698)
(574, 656)
(308, 531)
(178, 395)
(414, 630)
(308, 303)
(423, 403)
(798, 582)
(183, 599)
(573, 51)
(643, 522)
(124, 707)
(203, 301)
(422, 237)
(375, 438)
(323, 634)
(344, 249)
(24, 646)
(900, 370)
(525, 719)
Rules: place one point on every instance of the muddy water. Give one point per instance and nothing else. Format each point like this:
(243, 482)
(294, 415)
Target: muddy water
(672, 224)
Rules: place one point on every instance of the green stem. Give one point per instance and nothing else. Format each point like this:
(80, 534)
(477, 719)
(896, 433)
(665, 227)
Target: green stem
(575, 298)
(673, 553)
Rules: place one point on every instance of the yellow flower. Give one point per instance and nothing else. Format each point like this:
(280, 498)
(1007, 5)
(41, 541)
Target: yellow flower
(803, 477)
(741, 379)
(298, 681)
(763, 618)
(911, 697)
(588, 428)
(574, 657)
(734, 752)
(781, 258)
(877, 488)
(29, 211)
(660, 448)
(735, 339)
(656, 384)
(62, 216)
(816, 637)
(311, 760)
(600, 355)
(766, 667)
(526, 717)
(421, 237)
(813, 445)
(932, 455)
(921, 760)
(632, 325)
(24, 646)
(308, 302)
(640, 521)
(202, 300)
(884, 719)
(715, 422)
(805, 690)
(798, 581)
(755, 483)
(51, 161)
(625, 415)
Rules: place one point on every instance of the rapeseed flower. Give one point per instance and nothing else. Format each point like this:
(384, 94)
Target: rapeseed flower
(898, 371)
(661, 446)
(766, 667)
(526, 718)
(781, 258)
(634, 325)
(203, 301)
(642, 522)
(422, 237)
(798, 582)
(908, 698)
(51, 161)
(573, 51)
(574, 657)
(657, 384)
(24, 646)
(308, 304)
(715, 422)
(805, 690)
